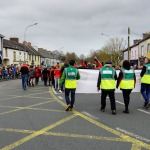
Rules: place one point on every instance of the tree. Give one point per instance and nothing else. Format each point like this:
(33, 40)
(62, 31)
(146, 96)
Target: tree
(115, 47)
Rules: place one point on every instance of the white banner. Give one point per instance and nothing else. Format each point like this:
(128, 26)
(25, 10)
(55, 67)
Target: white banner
(88, 81)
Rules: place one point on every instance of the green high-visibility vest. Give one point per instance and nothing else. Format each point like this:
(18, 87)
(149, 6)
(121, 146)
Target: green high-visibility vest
(71, 74)
(146, 77)
(107, 78)
(127, 81)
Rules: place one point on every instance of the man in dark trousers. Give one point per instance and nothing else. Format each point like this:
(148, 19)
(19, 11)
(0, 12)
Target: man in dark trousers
(106, 82)
(24, 75)
(69, 77)
(145, 83)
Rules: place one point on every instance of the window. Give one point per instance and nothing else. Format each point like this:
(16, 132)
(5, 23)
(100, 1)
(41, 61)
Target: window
(148, 48)
(142, 50)
(35, 57)
(6, 52)
(38, 58)
(24, 56)
(14, 55)
(19, 53)
(30, 57)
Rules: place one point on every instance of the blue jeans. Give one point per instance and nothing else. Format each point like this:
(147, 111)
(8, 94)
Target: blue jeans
(145, 91)
(24, 81)
(67, 91)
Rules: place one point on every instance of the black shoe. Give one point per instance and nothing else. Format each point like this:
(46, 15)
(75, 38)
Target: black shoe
(71, 108)
(68, 107)
(113, 112)
(147, 106)
(102, 109)
(126, 111)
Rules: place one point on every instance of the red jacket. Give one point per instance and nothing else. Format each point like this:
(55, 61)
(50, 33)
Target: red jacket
(37, 72)
(57, 73)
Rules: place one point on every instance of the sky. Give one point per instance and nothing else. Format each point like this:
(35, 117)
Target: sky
(73, 25)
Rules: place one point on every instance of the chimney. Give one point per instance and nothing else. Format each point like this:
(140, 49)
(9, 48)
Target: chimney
(146, 35)
(29, 43)
(136, 41)
(14, 40)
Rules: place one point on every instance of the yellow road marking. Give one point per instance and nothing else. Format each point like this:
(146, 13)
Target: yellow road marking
(65, 135)
(85, 136)
(135, 147)
(37, 133)
(55, 110)
(22, 96)
(7, 112)
(111, 130)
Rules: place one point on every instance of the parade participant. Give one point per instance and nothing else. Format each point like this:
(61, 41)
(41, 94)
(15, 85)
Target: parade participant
(37, 75)
(106, 82)
(24, 75)
(45, 75)
(126, 81)
(57, 75)
(145, 83)
(69, 76)
(61, 70)
(97, 63)
(31, 76)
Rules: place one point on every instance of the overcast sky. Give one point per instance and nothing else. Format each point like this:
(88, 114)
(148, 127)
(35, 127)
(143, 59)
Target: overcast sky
(73, 25)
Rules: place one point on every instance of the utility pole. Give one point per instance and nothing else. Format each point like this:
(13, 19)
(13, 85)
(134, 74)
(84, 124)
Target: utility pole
(128, 44)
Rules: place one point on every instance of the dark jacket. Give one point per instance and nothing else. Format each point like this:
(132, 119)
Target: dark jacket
(144, 70)
(24, 70)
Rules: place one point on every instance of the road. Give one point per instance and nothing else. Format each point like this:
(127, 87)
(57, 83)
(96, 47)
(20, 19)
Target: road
(36, 120)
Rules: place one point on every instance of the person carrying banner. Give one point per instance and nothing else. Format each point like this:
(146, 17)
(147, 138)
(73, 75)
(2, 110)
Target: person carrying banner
(106, 82)
(126, 81)
(69, 77)
(145, 83)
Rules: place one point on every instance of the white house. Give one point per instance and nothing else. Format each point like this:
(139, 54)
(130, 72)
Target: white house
(13, 53)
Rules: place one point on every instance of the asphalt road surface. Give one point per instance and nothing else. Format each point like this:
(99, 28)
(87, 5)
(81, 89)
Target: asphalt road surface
(36, 119)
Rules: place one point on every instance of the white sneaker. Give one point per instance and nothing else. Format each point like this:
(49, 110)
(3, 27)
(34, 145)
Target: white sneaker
(60, 91)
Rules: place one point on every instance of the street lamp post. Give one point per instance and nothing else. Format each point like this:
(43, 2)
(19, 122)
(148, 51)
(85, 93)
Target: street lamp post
(25, 34)
(112, 49)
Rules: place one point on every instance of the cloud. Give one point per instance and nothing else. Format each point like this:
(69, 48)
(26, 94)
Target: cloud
(75, 25)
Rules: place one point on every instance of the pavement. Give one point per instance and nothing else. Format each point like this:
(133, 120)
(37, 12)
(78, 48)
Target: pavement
(36, 119)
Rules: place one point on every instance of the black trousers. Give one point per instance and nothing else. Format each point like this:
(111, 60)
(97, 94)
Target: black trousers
(111, 95)
(126, 96)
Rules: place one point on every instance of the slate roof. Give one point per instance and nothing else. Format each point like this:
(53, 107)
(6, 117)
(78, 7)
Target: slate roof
(46, 54)
(19, 46)
(12, 45)
(2, 36)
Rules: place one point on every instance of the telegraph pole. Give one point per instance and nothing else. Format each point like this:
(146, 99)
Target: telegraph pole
(128, 44)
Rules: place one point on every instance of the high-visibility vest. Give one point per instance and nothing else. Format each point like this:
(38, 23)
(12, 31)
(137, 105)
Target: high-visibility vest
(146, 77)
(107, 78)
(71, 74)
(127, 81)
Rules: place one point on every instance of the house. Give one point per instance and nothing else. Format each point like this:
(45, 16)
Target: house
(17, 53)
(139, 50)
(144, 47)
(48, 59)
(1, 48)
(33, 56)
(13, 53)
